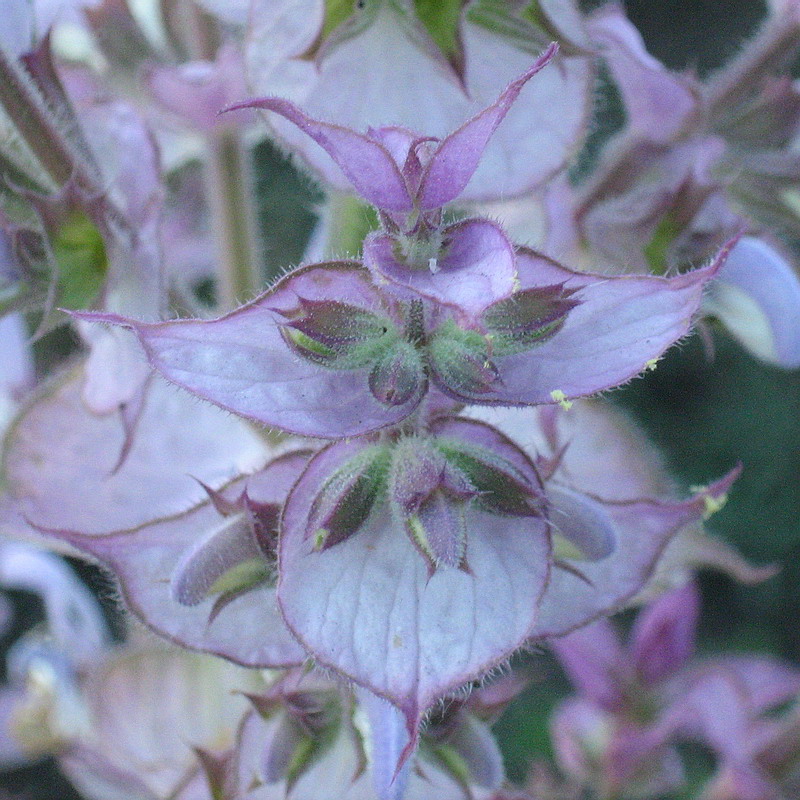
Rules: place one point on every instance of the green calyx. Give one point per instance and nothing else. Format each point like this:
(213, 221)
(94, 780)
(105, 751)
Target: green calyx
(346, 499)
(527, 318)
(310, 726)
(81, 259)
(344, 337)
(339, 335)
(461, 359)
(397, 374)
(501, 488)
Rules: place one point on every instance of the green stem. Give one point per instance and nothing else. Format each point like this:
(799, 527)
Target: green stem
(229, 192)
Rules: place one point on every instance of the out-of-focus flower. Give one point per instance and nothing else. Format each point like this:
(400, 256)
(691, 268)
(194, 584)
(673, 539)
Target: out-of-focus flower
(309, 737)
(636, 702)
(122, 720)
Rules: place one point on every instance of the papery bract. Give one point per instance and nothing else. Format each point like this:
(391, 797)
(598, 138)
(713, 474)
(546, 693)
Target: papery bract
(57, 444)
(474, 268)
(617, 326)
(195, 92)
(405, 625)
(401, 180)
(628, 491)
(200, 578)
(243, 363)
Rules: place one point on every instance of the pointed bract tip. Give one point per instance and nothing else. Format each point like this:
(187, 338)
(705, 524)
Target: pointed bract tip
(548, 55)
(712, 498)
(242, 106)
(550, 52)
(722, 254)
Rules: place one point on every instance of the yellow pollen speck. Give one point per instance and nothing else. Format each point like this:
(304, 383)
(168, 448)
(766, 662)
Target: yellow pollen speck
(319, 538)
(651, 364)
(397, 641)
(560, 398)
(711, 504)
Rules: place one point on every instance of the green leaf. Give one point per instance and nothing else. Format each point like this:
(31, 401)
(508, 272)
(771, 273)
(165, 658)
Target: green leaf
(336, 12)
(441, 18)
(497, 17)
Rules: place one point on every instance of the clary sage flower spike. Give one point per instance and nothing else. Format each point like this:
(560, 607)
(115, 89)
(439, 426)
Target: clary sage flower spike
(343, 348)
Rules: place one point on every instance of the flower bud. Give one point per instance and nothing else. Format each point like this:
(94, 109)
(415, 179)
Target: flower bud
(346, 498)
(305, 728)
(337, 335)
(235, 557)
(397, 375)
(501, 487)
(527, 318)
(582, 528)
(431, 495)
(225, 563)
(460, 361)
(264, 519)
(464, 747)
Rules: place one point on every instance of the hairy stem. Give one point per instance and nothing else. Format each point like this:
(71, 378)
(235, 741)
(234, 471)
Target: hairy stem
(229, 193)
(35, 121)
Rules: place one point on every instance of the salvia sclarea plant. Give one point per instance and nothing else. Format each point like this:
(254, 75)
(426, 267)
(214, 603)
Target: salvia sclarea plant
(382, 476)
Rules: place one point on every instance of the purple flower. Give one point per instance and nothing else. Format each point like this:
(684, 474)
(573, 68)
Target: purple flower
(637, 701)
(336, 350)
(559, 335)
(397, 170)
